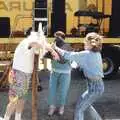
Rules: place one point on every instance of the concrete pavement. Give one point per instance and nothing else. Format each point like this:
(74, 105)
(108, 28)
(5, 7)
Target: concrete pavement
(108, 106)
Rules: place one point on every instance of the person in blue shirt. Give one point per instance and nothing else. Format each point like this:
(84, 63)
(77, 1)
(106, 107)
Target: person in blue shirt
(90, 61)
(59, 78)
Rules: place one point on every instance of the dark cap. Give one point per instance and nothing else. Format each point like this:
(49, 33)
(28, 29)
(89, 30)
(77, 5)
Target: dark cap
(59, 34)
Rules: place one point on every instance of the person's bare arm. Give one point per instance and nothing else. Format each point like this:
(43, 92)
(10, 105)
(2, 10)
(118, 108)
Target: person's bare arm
(53, 52)
(47, 47)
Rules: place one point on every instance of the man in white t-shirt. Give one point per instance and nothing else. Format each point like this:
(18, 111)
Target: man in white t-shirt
(22, 68)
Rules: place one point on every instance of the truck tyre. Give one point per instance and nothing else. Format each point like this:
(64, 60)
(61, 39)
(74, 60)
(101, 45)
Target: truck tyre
(110, 68)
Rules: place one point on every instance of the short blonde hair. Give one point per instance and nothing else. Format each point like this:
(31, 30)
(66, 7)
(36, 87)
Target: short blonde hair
(93, 35)
(93, 47)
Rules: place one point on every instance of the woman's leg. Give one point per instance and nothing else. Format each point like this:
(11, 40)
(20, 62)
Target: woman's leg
(52, 92)
(14, 104)
(18, 89)
(82, 103)
(64, 84)
(95, 90)
(92, 114)
(52, 88)
(19, 109)
(10, 107)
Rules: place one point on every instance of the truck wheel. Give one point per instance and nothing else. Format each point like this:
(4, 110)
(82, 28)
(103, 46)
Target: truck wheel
(109, 67)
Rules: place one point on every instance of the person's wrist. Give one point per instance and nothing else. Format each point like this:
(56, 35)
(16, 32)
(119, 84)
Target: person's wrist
(52, 51)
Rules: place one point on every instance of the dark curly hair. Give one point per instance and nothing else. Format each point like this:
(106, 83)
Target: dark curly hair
(59, 34)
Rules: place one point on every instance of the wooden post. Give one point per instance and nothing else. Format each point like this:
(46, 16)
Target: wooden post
(34, 88)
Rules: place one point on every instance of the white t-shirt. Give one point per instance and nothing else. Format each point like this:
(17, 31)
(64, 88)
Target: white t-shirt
(23, 57)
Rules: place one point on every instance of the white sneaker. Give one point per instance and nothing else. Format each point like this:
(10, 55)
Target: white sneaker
(1, 118)
(51, 110)
(61, 110)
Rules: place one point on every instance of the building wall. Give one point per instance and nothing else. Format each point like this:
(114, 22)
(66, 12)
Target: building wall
(17, 10)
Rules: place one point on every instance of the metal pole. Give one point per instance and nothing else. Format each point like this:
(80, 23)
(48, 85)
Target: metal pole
(79, 17)
(97, 5)
(33, 16)
(103, 6)
(103, 10)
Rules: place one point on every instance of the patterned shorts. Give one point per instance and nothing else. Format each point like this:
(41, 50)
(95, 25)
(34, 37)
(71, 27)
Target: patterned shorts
(20, 83)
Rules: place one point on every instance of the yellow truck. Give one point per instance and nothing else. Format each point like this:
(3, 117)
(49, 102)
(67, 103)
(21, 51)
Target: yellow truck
(76, 18)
